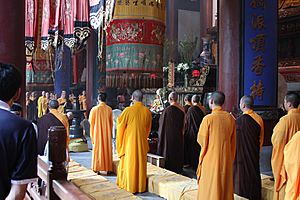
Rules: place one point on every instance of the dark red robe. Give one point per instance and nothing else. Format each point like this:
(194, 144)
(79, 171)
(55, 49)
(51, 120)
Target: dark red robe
(44, 124)
(246, 172)
(193, 120)
(170, 138)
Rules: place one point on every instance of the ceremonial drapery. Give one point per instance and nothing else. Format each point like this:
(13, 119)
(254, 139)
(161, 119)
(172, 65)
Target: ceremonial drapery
(64, 21)
(30, 25)
(134, 50)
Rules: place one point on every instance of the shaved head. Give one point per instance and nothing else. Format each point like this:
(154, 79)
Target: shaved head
(218, 98)
(292, 98)
(173, 96)
(248, 101)
(53, 104)
(188, 97)
(137, 95)
(196, 99)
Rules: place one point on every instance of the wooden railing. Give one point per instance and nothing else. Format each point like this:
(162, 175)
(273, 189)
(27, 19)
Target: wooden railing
(52, 171)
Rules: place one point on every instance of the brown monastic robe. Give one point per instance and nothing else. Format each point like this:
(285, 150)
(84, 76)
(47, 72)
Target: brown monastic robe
(44, 123)
(193, 120)
(246, 173)
(170, 138)
(186, 148)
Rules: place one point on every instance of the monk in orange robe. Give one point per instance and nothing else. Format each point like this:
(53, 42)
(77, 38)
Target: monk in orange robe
(292, 168)
(101, 123)
(40, 104)
(284, 130)
(133, 128)
(45, 103)
(53, 118)
(62, 102)
(83, 103)
(217, 138)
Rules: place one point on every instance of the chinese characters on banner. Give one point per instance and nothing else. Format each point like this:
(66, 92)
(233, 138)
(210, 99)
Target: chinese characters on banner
(260, 51)
(151, 3)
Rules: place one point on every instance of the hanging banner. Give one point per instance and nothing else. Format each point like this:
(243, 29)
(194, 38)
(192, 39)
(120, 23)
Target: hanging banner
(260, 51)
(134, 49)
(30, 25)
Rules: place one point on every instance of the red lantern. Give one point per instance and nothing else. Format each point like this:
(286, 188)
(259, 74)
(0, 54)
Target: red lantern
(196, 73)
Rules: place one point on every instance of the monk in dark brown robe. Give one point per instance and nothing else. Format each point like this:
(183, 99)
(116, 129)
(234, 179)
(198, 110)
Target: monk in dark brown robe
(44, 123)
(193, 120)
(187, 102)
(187, 105)
(170, 135)
(246, 172)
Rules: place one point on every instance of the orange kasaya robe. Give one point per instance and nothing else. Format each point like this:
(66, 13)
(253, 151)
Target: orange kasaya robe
(61, 102)
(292, 168)
(101, 123)
(133, 128)
(284, 130)
(40, 106)
(65, 121)
(45, 106)
(260, 122)
(217, 138)
(83, 104)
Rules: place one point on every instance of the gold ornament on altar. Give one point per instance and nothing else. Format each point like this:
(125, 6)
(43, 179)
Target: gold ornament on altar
(202, 78)
(171, 74)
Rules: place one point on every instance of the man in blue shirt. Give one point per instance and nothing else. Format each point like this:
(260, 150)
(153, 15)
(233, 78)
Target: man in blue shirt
(18, 143)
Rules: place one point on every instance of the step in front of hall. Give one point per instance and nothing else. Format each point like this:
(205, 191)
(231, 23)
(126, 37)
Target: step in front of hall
(172, 186)
(96, 186)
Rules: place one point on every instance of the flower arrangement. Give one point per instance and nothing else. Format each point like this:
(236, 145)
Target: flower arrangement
(183, 67)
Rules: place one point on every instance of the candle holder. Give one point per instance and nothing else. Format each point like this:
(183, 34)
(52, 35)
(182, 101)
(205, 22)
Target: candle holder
(77, 140)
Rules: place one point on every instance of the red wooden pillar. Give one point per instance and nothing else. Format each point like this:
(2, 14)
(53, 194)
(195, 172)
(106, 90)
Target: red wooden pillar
(229, 51)
(205, 18)
(12, 35)
(90, 57)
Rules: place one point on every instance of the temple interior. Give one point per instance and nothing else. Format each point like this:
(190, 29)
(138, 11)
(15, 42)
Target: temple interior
(76, 50)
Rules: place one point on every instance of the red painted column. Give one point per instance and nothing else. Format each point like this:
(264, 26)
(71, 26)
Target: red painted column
(90, 57)
(205, 18)
(12, 35)
(229, 51)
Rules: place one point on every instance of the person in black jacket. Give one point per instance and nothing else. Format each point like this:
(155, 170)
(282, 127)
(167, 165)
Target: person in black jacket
(18, 143)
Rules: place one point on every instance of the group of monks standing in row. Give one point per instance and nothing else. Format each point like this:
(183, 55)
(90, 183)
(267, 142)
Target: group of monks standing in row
(224, 151)
(38, 106)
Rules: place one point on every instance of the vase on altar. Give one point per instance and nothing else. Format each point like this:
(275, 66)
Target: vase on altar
(186, 80)
(205, 56)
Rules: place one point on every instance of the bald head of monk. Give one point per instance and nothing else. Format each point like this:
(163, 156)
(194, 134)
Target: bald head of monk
(195, 99)
(137, 95)
(53, 104)
(246, 103)
(291, 100)
(173, 97)
(217, 99)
